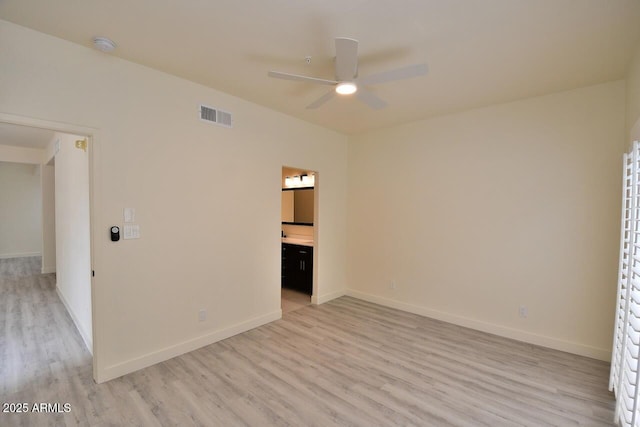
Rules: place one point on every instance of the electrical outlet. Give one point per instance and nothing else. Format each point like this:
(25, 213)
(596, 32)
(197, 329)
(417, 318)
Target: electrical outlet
(393, 285)
(202, 315)
(523, 311)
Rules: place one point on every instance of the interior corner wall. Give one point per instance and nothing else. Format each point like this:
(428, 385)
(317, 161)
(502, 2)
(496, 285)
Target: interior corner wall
(475, 214)
(72, 233)
(633, 97)
(20, 210)
(47, 184)
(206, 197)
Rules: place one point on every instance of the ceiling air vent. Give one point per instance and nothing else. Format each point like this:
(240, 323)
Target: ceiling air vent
(213, 115)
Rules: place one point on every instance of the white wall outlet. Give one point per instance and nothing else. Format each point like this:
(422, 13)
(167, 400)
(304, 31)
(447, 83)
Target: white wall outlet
(393, 285)
(523, 311)
(202, 315)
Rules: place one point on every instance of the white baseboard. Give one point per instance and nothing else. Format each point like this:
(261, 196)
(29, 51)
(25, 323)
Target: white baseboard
(85, 336)
(123, 368)
(528, 337)
(321, 299)
(19, 255)
(47, 270)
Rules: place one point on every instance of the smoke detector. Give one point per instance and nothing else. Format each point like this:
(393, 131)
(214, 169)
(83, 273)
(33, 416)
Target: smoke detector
(104, 44)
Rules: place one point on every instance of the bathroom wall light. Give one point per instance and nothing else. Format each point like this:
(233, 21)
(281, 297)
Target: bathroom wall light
(307, 180)
(288, 182)
(302, 180)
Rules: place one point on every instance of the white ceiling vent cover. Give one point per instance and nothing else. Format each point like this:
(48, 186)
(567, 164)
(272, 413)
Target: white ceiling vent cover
(213, 115)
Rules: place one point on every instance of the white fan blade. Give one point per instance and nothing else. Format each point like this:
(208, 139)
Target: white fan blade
(370, 99)
(346, 59)
(287, 76)
(397, 74)
(324, 98)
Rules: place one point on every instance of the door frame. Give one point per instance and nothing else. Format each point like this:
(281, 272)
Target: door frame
(315, 291)
(93, 138)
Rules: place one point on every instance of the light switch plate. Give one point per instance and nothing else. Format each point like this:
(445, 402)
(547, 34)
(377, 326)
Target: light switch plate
(129, 215)
(131, 231)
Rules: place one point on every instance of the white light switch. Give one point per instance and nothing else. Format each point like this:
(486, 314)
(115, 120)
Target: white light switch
(131, 231)
(129, 215)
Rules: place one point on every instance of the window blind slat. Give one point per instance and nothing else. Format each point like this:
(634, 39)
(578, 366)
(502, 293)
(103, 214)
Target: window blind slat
(625, 372)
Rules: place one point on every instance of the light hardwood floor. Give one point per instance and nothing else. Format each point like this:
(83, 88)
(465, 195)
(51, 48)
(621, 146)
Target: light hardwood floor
(346, 362)
(293, 300)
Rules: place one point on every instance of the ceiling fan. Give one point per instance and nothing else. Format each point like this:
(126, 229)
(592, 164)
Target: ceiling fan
(347, 81)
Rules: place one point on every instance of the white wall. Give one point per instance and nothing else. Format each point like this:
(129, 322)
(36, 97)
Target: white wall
(518, 185)
(477, 213)
(10, 153)
(20, 210)
(207, 198)
(72, 232)
(47, 184)
(633, 97)
(36, 156)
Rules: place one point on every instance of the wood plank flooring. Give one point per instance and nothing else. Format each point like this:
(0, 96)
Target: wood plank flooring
(293, 300)
(346, 362)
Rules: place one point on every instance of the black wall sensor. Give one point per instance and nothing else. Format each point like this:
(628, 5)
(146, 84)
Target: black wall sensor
(115, 233)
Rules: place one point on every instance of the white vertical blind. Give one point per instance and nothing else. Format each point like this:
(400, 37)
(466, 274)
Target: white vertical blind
(625, 370)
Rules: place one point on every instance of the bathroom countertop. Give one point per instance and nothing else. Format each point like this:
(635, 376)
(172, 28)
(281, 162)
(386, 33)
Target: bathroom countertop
(298, 241)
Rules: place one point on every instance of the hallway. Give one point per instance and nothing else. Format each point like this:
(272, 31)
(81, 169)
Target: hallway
(42, 357)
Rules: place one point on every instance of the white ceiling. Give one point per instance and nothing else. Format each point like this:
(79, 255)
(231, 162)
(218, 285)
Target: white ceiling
(478, 52)
(23, 136)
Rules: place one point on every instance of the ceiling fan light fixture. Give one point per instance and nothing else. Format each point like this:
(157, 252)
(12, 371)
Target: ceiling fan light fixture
(346, 76)
(346, 88)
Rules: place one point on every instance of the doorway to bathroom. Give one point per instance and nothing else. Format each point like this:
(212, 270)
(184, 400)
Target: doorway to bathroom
(299, 207)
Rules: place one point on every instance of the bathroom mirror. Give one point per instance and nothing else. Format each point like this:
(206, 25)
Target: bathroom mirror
(297, 206)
